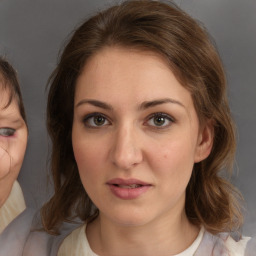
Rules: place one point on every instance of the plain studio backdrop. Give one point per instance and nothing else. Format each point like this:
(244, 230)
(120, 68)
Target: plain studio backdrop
(32, 32)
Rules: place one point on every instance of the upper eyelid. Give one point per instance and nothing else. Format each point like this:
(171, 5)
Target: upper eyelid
(95, 114)
(87, 116)
(12, 121)
(7, 128)
(163, 115)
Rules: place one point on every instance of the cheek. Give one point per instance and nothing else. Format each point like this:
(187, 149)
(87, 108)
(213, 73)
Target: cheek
(89, 162)
(17, 152)
(173, 162)
(175, 153)
(12, 155)
(5, 161)
(88, 157)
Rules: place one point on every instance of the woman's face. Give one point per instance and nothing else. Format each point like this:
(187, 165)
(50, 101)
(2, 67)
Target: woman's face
(136, 136)
(13, 141)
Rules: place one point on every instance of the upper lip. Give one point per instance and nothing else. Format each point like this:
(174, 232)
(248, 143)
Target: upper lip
(127, 182)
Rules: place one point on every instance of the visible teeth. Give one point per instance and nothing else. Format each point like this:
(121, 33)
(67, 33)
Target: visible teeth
(129, 186)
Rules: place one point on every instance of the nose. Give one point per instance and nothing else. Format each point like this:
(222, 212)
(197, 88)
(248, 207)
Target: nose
(126, 152)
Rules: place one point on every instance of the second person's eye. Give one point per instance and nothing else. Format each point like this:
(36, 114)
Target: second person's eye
(160, 120)
(95, 120)
(6, 131)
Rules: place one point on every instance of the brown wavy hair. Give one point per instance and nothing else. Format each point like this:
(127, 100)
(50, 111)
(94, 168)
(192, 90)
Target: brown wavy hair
(164, 29)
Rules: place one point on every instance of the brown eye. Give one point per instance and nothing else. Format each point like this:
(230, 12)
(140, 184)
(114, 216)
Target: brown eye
(99, 120)
(95, 120)
(6, 132)
(160, 120)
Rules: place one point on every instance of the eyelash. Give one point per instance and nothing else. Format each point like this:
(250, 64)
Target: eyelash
(7, 132)
(161, 115)
(92, 116)
(88, 118)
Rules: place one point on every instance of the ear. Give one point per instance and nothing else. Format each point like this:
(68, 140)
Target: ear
(205, 141)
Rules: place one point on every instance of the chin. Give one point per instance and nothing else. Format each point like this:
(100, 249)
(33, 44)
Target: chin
(129, 218)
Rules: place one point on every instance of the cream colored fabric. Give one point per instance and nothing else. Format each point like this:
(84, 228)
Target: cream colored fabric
(76, 244)
(193, 247)
(237, 248)
(13, 206)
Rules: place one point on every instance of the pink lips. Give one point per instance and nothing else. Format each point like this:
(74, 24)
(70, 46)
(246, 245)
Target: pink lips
(128, 189)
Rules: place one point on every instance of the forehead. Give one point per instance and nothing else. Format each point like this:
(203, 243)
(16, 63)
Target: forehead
(128, 74)
(6, 90)
(7, 98)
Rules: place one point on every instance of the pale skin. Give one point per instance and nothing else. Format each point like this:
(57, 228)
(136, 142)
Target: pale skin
(134, 120)
(13, 141)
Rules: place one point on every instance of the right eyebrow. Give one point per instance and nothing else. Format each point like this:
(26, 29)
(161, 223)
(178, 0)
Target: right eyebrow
(153, 103)
(95, 103)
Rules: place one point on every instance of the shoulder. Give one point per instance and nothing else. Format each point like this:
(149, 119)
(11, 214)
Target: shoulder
(237, 248)
(251, 247)
(13, 206)
(76, 243)
(13, 238)
(43, 243)
(24, 236)
(223, 244)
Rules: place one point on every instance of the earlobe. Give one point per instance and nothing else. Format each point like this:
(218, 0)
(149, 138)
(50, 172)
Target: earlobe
(205, 141)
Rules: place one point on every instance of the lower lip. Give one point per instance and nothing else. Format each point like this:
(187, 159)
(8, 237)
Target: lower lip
(128, 193)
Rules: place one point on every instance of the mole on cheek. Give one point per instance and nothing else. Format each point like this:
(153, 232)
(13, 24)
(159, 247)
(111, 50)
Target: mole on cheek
(165, 156)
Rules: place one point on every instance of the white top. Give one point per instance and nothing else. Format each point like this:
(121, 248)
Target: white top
(193, 247)
(76, 244)
(13, 206)
(237, 248)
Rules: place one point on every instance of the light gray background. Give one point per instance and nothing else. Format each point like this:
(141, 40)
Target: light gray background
(32, 32)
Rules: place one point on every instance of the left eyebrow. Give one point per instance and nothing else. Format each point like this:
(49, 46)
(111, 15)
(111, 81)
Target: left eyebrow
(153, 103)
(95, 103)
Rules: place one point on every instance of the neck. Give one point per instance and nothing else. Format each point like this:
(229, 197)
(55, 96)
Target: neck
(165, 236)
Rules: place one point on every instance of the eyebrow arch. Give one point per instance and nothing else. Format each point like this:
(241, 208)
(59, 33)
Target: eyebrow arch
(143, 105)
(95, 103)
(153, 103)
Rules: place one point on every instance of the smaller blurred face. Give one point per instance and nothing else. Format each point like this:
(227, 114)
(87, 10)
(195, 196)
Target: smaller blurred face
(13, 141)
(136, 136)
